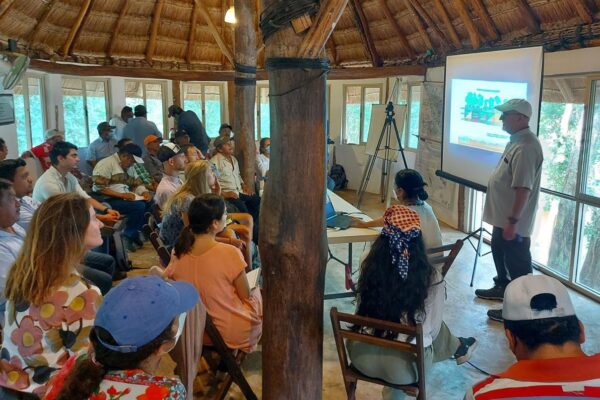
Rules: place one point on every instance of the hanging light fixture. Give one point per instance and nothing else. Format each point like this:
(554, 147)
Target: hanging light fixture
(230, 16)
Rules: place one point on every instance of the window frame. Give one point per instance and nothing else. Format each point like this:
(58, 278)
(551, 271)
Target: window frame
(406, 139)
(165, 98)
(259, 88)
(363, 137)
(27, 106)
(203, 84)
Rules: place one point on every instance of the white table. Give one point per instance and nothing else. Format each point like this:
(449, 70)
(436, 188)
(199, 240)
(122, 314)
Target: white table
(350, 235)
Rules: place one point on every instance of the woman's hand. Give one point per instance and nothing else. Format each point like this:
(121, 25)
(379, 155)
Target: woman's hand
(357, 223)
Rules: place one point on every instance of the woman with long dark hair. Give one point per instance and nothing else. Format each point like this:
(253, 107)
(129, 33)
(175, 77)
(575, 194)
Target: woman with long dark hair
(140, 320)
(217, 270)
(398, 284)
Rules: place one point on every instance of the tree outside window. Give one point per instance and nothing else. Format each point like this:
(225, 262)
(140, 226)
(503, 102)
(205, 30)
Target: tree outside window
(85, 105)
(358, 103)
(30, 113)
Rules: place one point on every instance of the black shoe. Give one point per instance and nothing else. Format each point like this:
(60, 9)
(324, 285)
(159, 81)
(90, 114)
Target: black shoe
(495, 293)
(465, 350)
(495, 315)
(119, 275)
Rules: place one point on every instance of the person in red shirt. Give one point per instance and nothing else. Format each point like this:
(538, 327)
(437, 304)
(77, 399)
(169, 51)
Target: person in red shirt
(42, 151)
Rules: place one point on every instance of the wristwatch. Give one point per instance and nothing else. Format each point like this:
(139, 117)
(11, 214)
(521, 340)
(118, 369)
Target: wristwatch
(512, 220)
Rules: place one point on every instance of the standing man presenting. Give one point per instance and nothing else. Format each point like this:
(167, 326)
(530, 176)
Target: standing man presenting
(511, 200)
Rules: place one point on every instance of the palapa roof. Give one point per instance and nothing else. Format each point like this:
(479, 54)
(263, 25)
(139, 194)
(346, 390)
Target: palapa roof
(158, 34)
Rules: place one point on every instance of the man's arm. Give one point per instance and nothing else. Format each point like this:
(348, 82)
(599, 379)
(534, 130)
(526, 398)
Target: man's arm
(510, 227)
(118, 195)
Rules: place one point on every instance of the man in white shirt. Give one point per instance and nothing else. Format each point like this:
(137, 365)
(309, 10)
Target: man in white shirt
(263, 158)
(174, 161)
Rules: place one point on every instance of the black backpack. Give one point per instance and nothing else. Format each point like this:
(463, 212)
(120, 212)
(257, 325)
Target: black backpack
(338, 174)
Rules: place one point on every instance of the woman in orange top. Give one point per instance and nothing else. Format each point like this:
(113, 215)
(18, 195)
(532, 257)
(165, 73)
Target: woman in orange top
(217, 270)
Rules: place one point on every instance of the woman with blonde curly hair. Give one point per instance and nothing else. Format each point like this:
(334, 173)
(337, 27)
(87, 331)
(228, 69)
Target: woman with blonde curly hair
(50, 307)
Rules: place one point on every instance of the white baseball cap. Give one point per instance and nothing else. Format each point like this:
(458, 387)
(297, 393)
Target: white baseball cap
(519, 105)
(50, 133)
(533, 297)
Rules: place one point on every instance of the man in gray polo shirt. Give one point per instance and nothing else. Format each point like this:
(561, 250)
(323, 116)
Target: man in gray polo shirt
(511, 200)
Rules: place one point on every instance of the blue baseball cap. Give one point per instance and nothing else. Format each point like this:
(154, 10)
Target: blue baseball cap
(137, 310)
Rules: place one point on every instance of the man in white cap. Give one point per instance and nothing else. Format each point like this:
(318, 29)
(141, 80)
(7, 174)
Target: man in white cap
(42, 151)
(511, 200)
(545, 336)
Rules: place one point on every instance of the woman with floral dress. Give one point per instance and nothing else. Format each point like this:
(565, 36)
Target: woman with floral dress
(50, 307)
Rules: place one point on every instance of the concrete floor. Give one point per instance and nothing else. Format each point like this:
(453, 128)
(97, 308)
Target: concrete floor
(464, 314)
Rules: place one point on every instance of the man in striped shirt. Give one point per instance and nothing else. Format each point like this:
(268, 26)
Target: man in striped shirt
(545, 336)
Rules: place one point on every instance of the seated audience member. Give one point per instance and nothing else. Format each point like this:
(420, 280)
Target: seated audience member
(3, 149)
(120, 122)
(545, 336)
(139, 167)
(124, 190)
(199, 179)
(263, 158)
(225, 132)
(122, 143)
(124, 358)
(50, 308)
(181, 138)
(233, 188)
(174, 161)
(151, 161)
(16, 172)
(398, 284)
(217, 270)
(42, 151)
(192, 153)
(102, 147)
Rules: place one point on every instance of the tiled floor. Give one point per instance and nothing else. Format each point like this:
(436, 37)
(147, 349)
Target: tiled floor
(464, 314)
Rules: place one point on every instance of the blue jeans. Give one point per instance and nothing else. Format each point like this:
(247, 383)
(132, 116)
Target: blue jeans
(134, 210)
(98, 278)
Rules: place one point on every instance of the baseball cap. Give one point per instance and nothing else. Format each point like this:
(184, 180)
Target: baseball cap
(533, 297)
(140, 109)
(50, 133)
(173, 110)
(168, 151)
(151, 138)
(519, 105)
(220, 141)
(137, 310)
(105, 126)
(133, 150)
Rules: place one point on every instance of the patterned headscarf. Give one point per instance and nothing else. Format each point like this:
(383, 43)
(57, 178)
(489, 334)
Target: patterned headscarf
(400, 225)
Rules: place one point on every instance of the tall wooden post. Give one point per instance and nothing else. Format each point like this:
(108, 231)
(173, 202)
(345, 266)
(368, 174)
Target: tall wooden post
(292, 238)
(245, 89)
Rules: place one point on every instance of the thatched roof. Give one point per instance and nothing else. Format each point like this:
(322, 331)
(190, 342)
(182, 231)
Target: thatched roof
(158, 34)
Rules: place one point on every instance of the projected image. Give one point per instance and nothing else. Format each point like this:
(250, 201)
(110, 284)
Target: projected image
(474, 122)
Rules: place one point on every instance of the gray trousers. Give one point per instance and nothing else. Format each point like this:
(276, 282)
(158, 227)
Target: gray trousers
(398, 367)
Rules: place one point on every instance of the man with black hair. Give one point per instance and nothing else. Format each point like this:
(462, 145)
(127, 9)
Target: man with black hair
(139, 127)
(16, 171)
(189, 122)
(120, 122)
(545, 336)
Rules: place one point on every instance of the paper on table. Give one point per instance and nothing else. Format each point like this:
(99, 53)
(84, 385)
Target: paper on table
(252, 277)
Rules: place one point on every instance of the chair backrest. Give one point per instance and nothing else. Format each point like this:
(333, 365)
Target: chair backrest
(351, 374)
(161, 249)
(443, 259)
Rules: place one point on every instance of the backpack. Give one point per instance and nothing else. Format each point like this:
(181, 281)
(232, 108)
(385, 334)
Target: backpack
(338, 174)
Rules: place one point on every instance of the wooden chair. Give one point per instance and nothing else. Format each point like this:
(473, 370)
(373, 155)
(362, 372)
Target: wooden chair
(443, 259)
(230, 359)
(352, 375)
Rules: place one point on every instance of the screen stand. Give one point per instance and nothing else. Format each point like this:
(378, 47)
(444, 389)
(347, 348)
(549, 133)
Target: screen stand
(479, 234)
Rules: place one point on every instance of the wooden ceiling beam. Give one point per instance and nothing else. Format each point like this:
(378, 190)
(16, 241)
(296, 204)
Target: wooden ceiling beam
(84, 12)
(40, 22)
(331, 47)
(321, 29)
(400, 35)
(474, 36)
(365, 34)
(583, 11)
(429, 21)
(5, 6)
(151, 48)
(419, 24)
(192, 33)
(486, 19)
(443, 14)
(530, 19)
(213, 30)
(113, 37)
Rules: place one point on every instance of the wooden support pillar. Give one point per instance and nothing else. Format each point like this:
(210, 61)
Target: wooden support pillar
(230, 102)
(245, 89)
(176, 93)
(292, 231)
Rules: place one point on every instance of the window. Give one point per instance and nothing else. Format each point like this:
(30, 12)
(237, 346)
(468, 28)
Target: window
(206, 100)
(411, 140)
(262, 123)
(358, 102)
(30, 112)
(152, 95)
(85, 105)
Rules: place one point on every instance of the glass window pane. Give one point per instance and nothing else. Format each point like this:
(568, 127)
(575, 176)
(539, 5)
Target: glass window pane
(212, 108)
(592, 180)
(413, 118)
(36, 110)
(20, 120)
(552, 237)
(154, 104)
(96, 106)
(192, 99)
(561, 124)
(372, 96)
(589, 252)
(352, 104)
(74, 112)
(265, 119)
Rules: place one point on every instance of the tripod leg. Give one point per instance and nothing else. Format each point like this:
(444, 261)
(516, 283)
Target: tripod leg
(477, 252)
(366, 177)
(400, 147)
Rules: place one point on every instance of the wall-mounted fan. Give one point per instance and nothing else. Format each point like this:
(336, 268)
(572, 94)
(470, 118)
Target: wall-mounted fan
(12, 67)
